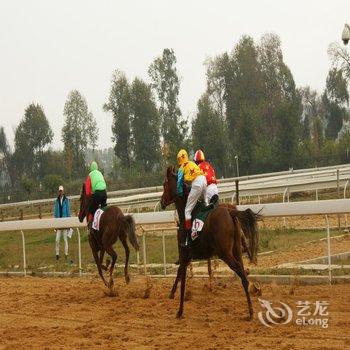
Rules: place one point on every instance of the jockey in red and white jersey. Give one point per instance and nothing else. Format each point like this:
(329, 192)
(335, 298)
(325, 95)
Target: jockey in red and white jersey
(209, 173)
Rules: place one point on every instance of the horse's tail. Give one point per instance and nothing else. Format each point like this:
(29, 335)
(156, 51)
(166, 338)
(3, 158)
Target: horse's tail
(248, 220)
(131, 231)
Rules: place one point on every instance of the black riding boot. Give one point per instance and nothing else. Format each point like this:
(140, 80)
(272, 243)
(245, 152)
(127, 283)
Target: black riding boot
(186, 238)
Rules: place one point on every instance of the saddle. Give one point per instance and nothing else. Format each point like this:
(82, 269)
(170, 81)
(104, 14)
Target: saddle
(200, 214)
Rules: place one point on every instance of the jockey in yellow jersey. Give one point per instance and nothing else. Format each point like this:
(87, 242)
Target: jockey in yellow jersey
(190, 174)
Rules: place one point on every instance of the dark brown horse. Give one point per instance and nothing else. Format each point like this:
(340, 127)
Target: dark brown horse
(113, 225)
(221, 236)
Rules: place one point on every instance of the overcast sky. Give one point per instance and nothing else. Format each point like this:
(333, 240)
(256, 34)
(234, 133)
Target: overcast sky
(48, 48)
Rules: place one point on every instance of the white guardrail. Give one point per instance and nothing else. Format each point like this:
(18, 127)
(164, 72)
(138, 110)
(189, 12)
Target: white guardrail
(260, 184)
(325, 207)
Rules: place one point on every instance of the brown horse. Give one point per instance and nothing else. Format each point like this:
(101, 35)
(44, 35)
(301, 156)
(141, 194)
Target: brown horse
(113, 225)
(221, 236)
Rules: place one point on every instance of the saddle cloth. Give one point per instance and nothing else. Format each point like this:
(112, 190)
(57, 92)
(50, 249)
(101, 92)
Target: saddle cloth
(97, 217)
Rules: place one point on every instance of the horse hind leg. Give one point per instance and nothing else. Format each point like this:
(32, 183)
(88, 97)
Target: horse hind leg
(211, 275)
(238, 268)
(127, 253)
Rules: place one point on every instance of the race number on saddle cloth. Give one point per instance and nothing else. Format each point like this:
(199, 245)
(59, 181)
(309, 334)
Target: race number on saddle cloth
(209, 173)
(190, 174)
(97, 217)
(201, 214)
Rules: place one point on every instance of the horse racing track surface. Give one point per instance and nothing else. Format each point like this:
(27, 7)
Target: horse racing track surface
(50, 313)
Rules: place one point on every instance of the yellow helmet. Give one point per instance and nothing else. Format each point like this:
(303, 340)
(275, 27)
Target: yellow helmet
(182, 157)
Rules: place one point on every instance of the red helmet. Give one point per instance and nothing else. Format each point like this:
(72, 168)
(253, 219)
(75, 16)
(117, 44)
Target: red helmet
(199, 156)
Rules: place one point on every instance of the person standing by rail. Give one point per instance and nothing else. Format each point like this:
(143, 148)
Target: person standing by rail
(61, 210)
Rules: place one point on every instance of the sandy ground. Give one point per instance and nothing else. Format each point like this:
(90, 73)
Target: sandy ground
(43, 313)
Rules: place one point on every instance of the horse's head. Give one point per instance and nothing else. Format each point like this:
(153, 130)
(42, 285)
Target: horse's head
(169, 187)
(84, 204)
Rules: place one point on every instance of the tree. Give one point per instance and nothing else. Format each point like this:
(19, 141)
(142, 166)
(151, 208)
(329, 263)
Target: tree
(335, 98)
(145, 126)
(32, 136)
(79, 130)
(313, 115)
(119, 104)
(51, 183)
(340, 58)
(6, 158)
(215, 105)
(166, 84)
(28, 185)
(213, 143)
(280, 115)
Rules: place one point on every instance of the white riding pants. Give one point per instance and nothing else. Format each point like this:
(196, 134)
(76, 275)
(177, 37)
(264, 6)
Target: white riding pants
(58, 238)
(198, 188)
(210, 191)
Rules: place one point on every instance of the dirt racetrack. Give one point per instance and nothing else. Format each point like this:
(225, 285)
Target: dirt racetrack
(57, 313)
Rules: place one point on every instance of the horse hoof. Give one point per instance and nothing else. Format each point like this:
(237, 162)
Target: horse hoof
(208, 287)
(111, 293)
(171, 295)
(179, 315)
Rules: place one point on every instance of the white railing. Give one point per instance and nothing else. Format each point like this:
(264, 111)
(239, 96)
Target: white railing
(326, 207)
(259, 184)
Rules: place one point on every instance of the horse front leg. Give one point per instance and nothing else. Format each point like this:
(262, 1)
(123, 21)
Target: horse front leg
(94, 250)
(114, 256)
(184, 260)
(176, 282)
(102, 254)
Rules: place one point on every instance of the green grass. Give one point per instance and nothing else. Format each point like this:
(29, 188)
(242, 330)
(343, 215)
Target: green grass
(40, 248)
(286, 239)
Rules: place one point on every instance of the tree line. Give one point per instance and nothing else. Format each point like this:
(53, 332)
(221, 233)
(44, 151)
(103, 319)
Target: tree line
(251, 108)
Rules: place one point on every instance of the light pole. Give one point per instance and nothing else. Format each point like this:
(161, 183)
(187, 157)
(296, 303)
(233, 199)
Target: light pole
(236, 157)
(346, 34)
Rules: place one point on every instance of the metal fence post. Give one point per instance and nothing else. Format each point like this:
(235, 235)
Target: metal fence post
(24, 254)
(329, 250)
(237, 191)
(338, 193)
(346, 216)
(144, 253)
(284, 199)
(79, 252)
(164, 253)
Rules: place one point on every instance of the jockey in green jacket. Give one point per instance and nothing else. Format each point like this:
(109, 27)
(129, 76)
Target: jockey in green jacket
(95, 185)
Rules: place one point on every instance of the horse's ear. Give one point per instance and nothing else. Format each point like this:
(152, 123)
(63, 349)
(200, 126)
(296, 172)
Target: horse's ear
(173, 170)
